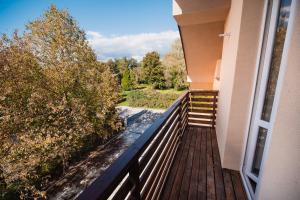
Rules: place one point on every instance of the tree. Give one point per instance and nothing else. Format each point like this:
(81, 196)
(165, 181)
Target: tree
(124, 63)
(152, 68)
(54, 97)
(138, 75)
(114, 69)
(127, 80)
(157, 77)
(175, 69)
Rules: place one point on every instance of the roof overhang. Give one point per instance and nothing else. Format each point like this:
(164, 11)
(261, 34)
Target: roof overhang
(200, 22)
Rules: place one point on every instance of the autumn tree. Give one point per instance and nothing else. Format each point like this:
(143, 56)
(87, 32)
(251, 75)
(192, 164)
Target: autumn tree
(55, 98)
(175, 69)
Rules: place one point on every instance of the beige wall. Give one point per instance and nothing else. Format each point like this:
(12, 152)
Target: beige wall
(198, 6)
(200, 11)
(203, 47)
(237, 79)
(200, 24)
(216, 84)
(281, 177)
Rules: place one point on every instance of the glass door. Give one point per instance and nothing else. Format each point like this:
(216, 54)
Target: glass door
(272, 49)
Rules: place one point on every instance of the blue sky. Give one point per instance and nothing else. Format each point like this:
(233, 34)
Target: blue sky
(115, 28)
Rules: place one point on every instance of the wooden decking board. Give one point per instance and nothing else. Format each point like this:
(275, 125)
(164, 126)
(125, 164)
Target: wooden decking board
(180, 171)
(172, 174)
(228, 185)
(197, 173)
(193, 190)
(210, 186)
(185, 184)
(219, 183)
(202, 170)
(237, 185)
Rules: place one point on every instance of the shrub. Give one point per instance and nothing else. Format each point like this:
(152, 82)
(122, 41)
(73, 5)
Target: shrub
(151, 99)
(127, 81)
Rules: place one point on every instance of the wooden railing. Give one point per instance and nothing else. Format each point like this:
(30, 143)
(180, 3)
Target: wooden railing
(140, 172)
(203, 107)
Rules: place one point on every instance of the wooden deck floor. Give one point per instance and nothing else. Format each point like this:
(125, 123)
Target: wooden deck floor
(196, 172)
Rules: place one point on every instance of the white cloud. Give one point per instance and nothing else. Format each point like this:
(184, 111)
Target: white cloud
(135, 46)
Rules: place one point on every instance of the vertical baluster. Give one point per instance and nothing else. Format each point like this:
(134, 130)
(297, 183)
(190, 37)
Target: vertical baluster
(214, 109)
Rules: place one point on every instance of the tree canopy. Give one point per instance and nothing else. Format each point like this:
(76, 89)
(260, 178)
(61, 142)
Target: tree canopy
(55, 99)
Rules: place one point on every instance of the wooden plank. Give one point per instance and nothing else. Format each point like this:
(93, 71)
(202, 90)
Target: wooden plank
(237, 185)
(159, 173)
(214, 107)
(220, 191)
(193, 191)
(201, 116)
(201, 110)
(123, 190)
(167, 170)
(202, 168)
(204, 93)
(148, 155)
(228, 185)
(171, 177)
(211, 193)
(200, 121)
(202, 99)
(158, 152)
(184, 190)
(180, 172)
(201, 105)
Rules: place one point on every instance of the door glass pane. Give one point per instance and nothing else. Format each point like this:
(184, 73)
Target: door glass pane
(259, 149)
(252, 183)
(282, 22)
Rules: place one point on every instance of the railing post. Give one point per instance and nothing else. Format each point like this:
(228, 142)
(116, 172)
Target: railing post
(134, 174)
(179, 119)
(214, 110)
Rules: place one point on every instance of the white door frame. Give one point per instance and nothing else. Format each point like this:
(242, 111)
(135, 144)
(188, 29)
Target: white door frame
(258, 95)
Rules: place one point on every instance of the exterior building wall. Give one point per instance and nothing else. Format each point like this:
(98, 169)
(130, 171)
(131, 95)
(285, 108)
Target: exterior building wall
(237, 76)
(203, 47)
(200, 24)
(216, 85)
(238, 70)
(281, 173)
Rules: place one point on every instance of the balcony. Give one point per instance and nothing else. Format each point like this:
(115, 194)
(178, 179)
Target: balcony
(176, 158)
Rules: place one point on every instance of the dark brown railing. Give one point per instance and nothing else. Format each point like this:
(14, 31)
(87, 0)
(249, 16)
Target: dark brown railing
(140, 172)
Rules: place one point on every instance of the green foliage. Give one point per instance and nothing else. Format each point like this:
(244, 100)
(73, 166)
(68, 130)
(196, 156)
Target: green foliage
(153, 70)
(151, 99)
(175, 69)
(114, 69)
(157, 78)
(54, 96)
(127, 80)
(149, 63)
(124, 63)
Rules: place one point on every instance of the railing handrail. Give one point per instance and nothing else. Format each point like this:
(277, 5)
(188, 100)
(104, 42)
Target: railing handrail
(104, 185)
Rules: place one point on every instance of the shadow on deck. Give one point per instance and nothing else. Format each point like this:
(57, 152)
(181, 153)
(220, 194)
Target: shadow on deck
(196, 172)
